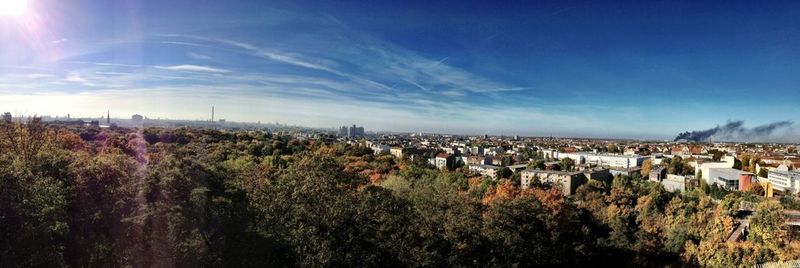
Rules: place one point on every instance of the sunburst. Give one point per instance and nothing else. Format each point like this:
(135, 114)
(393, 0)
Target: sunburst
(13, 8)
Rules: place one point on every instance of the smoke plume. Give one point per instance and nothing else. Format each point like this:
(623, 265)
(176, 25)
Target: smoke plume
(733, 131)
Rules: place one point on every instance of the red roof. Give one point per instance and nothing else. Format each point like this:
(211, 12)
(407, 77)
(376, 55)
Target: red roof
(442, 155)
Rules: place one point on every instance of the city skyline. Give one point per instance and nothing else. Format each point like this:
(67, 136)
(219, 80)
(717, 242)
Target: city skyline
(613, 70)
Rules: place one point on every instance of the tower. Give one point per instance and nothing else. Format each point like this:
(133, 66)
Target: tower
(212, 113)
(108, 117)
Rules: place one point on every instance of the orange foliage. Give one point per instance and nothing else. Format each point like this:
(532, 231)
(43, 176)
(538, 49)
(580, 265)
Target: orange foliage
(375, 178)
(503, 190)
(474, 182)
(402, 166)
(356, 166)
(70, 141)
(552, 199)
(327, 150)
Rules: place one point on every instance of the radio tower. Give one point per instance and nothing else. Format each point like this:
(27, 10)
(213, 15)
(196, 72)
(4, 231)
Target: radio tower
(108, 118)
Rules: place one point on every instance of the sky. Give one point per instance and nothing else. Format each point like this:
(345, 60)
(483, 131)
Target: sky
(616, 69)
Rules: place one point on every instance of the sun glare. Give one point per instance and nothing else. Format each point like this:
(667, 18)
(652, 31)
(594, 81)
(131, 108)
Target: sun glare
(13, 8)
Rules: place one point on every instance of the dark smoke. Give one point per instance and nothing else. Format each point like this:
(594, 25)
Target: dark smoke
(733, 130)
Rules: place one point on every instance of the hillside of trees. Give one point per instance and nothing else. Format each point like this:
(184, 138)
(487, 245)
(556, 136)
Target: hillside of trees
(200, 197)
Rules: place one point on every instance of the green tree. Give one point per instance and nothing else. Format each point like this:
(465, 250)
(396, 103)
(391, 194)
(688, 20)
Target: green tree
(34, 196)
(767, 225)
(763, 173)
(567, 164)
(504, 173)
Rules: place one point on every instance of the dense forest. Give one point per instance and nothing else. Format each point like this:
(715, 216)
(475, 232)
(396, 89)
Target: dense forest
(200, 197)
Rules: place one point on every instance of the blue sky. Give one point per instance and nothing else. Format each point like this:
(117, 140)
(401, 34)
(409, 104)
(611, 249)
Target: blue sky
(566, 68)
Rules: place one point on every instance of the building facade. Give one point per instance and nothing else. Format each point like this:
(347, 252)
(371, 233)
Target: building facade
(674, 183)
(444, 161)
(725, 177)
(611, 160)
(785, 180)
(566, 181)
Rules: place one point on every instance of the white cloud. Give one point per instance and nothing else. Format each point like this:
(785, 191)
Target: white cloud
(193, 68)
(59, 41)
(75, 78)
(198, 56)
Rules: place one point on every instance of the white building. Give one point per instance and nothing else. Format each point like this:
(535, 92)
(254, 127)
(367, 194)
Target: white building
(444, 161)
(704, 167)
(396, 151)
(612, 160)
(726, 177)
(380, 148)
(485, 170)
(785, 180)
(674, 183)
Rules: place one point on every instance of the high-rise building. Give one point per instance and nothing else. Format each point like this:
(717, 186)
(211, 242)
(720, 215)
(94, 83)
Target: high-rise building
(7, 117)
(137, 120)
(351, 132)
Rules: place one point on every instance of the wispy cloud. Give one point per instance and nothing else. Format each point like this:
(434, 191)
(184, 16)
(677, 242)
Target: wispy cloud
(75, 77)
(198, 56)
(184, 43)
(193, 68)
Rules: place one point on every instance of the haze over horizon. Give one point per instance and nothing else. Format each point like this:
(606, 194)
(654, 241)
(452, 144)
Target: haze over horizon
(564, 68)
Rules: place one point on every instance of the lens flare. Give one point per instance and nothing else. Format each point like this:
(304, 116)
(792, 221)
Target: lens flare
(13, 8)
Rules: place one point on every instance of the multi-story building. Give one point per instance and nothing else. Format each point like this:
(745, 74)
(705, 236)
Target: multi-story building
(598, 174)
(476, 150)
(566, 181)
(612, 160)
(674, 183)
(444, 161)
(479, 160)
(634, 171)
(657, 173)
(379, 148)
(485, 170)
(703, 167)
(725, 177)
(785, 180)
(351, 131)
(396, 151)
(137, 120)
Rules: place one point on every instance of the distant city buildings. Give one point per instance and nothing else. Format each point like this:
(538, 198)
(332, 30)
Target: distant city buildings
(7, 117)
(137, 120)
(351, 131)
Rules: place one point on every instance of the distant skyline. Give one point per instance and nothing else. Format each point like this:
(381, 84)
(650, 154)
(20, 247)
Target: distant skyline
(615, 69)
